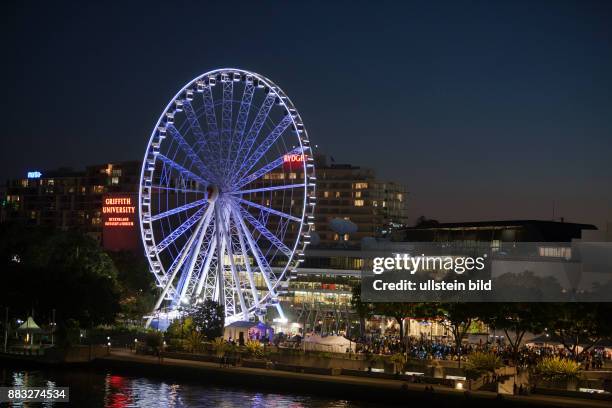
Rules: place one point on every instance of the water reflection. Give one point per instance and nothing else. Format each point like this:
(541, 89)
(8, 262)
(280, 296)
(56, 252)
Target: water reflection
(110, 390)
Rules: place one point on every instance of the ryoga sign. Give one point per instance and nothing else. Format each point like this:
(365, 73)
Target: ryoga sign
(293, 162)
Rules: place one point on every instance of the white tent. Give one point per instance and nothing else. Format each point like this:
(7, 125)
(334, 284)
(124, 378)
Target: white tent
(332, 344)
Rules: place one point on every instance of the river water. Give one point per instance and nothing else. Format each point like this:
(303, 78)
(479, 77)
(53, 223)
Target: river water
(106, 389)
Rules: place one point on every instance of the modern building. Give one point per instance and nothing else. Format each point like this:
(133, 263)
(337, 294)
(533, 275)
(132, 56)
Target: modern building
(328, 274)
(494, 232)
(355, 194)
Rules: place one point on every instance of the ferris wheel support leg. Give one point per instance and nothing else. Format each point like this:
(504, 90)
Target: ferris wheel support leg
(177, 268)
(247, 264)
(193, 260)
(281, 314)
(259, 259)
(219, 289)
(235, 277)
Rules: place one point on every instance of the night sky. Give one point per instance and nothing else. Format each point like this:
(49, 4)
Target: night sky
(485, 110)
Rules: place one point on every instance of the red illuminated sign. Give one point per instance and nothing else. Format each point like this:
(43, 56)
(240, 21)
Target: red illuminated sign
(119, 230)
(293, 161)
(293, 158)
(117, 211)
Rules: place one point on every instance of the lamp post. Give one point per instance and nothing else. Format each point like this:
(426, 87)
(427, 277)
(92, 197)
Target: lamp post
(6, 328)
(53, 327)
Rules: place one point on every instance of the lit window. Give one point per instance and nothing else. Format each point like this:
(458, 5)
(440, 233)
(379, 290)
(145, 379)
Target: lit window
(326, 194)
(359, 203)
(384, 204)
(359, 186)
(400, 197)
(375, 203)
(292, 176)
(337, 194)
(115, 180)
(346, 237)
(277, 176)
(358, 194)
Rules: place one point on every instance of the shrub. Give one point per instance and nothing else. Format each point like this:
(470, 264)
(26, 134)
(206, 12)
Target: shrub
(479, 363)
(220, 346)
(154, 339)
(557, 369)
(195, 341)
(254, 349)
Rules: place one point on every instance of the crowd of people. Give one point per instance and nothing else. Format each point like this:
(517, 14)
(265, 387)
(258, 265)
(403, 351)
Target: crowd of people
(445, 349)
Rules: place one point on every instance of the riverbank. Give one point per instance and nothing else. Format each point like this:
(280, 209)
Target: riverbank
(381, 391)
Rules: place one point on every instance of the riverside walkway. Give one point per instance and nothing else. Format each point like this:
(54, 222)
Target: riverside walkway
(383, 391)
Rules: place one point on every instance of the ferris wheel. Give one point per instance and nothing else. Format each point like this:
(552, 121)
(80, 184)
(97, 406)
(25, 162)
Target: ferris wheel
(227, 194)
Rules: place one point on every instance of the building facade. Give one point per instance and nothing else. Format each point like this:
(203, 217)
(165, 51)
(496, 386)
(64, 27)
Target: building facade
(355, 194)
(69, 199)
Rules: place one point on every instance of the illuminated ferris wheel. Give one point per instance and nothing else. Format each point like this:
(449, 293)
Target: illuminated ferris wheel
(227, 193)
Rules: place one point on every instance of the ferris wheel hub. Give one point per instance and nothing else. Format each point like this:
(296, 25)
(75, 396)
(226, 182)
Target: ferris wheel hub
(212, 192)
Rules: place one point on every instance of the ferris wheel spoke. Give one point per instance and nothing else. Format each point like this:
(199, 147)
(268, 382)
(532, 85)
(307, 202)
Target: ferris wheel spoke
(270, 210)
(266, 169)
(211, 121)
(273, 188)
(201, 262)
(247, 264)
(235, 277)
(247, 143)
(184, 172)
(182, 208)
(262, 263)
(191, 154)
(264, 146)
(177, 190)
(206, 266)
(266, 232)
(226, 122)
(182, 289)
(202, 142)
(197, 216)
(241, 120)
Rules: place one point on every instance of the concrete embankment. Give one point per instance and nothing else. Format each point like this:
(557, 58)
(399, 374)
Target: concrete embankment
(383, 392)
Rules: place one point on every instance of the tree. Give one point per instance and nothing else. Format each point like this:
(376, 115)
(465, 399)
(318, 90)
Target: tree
(136, 283)
(399, 311)
(46, 269)
(582, 324)
(208, 318)
(424, 222)
(515, 319)
(457, 318)
(363, 309)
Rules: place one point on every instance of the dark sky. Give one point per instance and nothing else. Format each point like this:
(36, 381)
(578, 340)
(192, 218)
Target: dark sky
(485, 110)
